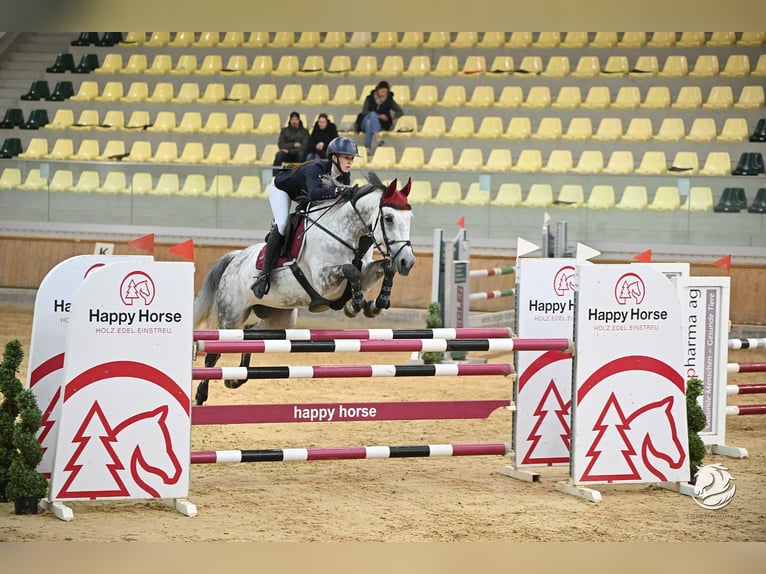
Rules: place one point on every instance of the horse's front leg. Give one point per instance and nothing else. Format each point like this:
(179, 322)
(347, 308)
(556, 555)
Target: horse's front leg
(244, 361)
(201, 395)
(354, 278)
(383, 300)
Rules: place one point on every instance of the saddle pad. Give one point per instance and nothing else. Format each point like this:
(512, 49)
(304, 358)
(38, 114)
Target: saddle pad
(296, 244)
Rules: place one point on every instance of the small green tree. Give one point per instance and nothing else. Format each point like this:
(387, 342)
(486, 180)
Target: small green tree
(10, 387)
(433, 321)
(696, 422)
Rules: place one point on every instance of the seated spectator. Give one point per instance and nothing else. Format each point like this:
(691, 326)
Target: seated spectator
(293, 143)
(323, 133)
(378, 113)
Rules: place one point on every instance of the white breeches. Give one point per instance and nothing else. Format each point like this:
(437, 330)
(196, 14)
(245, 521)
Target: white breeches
(280, 207)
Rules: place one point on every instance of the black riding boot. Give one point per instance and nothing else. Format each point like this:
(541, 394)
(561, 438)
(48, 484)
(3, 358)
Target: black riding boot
(263, 281)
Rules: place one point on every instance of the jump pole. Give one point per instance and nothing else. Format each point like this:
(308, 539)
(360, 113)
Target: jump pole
(736, 410)
(756, 389)
(737, 344)
(746, 368)
(347, 453)
(329, 334)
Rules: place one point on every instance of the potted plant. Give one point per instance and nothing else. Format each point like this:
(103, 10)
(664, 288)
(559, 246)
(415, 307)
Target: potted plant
(433, 321)
(19, 448)
(696, 421)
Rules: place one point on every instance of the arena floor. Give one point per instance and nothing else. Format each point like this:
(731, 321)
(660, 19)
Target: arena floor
(442, 499)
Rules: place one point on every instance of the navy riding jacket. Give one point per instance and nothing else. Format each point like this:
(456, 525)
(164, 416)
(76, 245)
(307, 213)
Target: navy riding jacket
(305, 179)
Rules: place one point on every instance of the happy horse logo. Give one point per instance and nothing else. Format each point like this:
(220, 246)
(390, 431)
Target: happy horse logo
(714, 487)
(563, 281)
(629, 287)
(137, 285)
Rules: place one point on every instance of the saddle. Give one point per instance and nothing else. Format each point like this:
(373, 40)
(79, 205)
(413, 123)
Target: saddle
(293, 243)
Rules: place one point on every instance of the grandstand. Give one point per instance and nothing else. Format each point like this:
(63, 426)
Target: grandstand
(178, 130)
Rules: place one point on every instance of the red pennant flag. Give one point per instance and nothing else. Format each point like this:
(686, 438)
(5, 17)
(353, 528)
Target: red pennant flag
(644, 256)
(724, 263)
(461, 222)
(145, 243)
(185, 250)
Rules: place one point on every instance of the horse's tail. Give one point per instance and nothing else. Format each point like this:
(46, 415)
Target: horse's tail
(204, 302)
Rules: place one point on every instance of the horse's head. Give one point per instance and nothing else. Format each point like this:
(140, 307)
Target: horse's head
(390, 221)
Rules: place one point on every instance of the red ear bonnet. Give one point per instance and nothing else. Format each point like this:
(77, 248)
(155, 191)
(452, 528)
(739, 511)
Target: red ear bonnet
(394, 198)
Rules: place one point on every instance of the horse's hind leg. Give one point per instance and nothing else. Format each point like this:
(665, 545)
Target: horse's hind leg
(244, 361)
(201, 396)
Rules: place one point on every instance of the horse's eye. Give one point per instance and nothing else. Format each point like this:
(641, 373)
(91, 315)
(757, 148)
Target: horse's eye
(388, 219)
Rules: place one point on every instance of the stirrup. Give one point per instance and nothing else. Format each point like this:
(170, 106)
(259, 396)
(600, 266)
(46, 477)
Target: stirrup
(262, 285)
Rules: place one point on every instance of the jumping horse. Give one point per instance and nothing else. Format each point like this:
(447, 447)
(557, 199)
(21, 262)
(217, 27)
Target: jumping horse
(333, 264)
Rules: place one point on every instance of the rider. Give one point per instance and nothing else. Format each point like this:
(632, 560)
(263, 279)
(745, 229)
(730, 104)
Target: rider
(304, 179)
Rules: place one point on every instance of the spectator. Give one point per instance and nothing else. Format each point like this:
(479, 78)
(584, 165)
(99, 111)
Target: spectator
(293, 143)
(379, 112)
(323, 133)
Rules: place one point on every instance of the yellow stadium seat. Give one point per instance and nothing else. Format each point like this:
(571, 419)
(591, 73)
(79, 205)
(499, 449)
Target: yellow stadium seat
(402, 93)
(549, 128)
(688, 98)
(87, 151)
(598, 97)
(265, 94)
(575, 40)
(717, 163)
(632, 40)
(465, 40)
(140, 151)
(539, 195)
(182, 39)
(232, 40)
(114, 182)
(88, 119)
(441, 158)
(405, 126)
(609, 129)
(446, 66)
(245, 154)
(318, 95)
(263, 65)
(62, 119)
(448, 193)
(579, 129)
(569, 97)
(191, 122)
(192, 152)
(211, 65)
(646, 66)
(628, 98)
(340, 65)
(238, 94)
(653, 163)
(164, 122)
(634, 197)
(676, 66)
(166, 152)
(590, 161)
(412, 158)
(571, 195)
(222, 185)
(268, 124)
(37, 148)
(537, 97)
(112, 92)
(62, 180)
(737, 66)
(519, 40)
(530, 65)
(491, 40)
(158, 39)
(162, 93)
(474, 65)
(236, 65)
(499, 160)
(62, 149)
(420, 192)
(699, 199)
(167, 184)
(547, 40)
(510, 97)
(88, 182)
(665, 198)
(433, 127)
(603, 40)
(307, 40)
(601, 197)
(639, 130)
(481, 97)
(194, 185)
(256, 40)
(112, 64)
(491, 127)
(719, 98)
(392, 66)
(437, 40)
(10, 178)
(287, 66)
(113, 149)
(249, 187)
(291, 95)
(751, 39)
(410, 40)
(462, 127)
(137, 64)
(216, 123)
(750, 97)
(333, 40)
(188, 93)
(685, 162)
(345, 94)
(454, 97)
(657, 98)
(702, 130)
(364, 39)
(721, 39)
(587, 67)
(559, 161)
(706, 66)
(691, 39)
(671, 130)
(34, 181)
(508, 195)
(615, 66)
(383, 158)
(218, 154)
(214, 94)
(530, 160)
(282, 40)
(186, 64)
(207, 40)
(501, 65)
(475, 196)
(365, 66)
(662, 40)
(418, 66)
(519, 128)
(161, 64)
(620, 162)
(760, 67)
(470, 159)
(734, 130)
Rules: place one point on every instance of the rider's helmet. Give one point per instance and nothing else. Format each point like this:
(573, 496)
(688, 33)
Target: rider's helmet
(342, 146)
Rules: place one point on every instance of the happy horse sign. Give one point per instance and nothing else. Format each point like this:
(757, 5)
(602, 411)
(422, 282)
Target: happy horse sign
(124, 426)
(628, 401)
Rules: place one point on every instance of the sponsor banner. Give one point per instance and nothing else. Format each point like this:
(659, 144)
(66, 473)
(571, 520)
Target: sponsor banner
(49, 328)
(629, 403)
(705, 320)
(543, 387)
(670, 270)
(124, 427)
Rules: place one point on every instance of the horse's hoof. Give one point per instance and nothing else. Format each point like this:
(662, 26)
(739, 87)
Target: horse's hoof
(348, 312)
(371, 310)
(234, 383)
